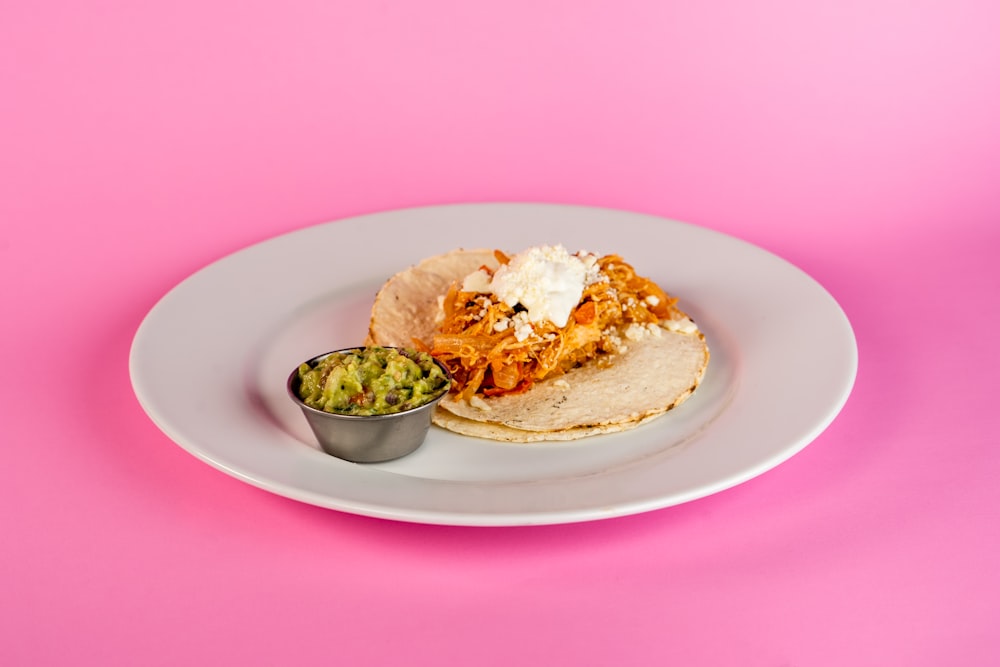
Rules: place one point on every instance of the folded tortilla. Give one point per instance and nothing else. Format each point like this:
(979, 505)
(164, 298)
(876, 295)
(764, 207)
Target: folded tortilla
(618, 392)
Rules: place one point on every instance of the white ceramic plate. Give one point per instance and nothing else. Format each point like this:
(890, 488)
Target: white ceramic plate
(209, 364)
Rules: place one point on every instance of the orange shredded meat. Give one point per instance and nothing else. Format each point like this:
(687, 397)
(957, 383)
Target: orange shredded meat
(478, 339)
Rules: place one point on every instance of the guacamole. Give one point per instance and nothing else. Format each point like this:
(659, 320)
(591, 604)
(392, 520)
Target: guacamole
(371, 381)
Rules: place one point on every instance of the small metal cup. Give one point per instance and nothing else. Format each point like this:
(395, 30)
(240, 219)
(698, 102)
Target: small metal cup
(366, 438)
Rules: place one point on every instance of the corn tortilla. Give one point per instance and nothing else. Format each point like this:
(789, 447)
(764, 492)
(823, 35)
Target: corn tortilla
(654, 375)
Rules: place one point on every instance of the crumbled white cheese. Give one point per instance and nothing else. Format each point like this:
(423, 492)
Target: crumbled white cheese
(501, 324)
(635, 331)
(613, 340)
(653, 300)
(546, 280)
(682, 325)
(522, 327)
(593, 269)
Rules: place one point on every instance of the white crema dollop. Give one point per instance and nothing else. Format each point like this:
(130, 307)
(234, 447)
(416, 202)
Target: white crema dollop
(546, 280)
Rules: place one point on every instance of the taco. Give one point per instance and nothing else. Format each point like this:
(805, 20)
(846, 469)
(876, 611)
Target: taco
(543, 345)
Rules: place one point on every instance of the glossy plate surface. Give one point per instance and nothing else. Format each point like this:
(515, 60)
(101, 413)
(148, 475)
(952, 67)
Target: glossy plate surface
(783, 363)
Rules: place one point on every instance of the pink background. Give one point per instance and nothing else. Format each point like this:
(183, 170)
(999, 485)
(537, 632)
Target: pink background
(860, 140)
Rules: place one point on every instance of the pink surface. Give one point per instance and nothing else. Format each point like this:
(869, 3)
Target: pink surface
(859, 140)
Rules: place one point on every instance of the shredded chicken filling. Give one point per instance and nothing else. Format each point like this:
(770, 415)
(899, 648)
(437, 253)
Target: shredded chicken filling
(491, 349)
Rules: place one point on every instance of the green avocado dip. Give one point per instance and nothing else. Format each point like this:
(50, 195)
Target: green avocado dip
(371, 381)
